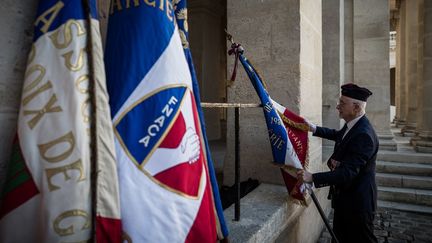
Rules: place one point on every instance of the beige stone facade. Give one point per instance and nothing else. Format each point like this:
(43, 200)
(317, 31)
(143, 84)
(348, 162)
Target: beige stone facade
(15, 42)
(413, 104)
(304, 50)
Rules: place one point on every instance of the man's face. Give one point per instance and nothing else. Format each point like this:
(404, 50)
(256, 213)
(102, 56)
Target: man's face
(346, 108)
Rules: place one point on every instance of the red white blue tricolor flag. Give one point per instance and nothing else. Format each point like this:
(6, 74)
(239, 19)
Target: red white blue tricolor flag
(288, 134)
(165, 180)
(180, 7)
(49, 190)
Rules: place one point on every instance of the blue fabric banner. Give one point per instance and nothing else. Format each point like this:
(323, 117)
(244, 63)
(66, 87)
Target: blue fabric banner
(166, 188)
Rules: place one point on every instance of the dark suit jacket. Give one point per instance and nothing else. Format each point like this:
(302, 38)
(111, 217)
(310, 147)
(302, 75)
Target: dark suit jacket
(354, 188)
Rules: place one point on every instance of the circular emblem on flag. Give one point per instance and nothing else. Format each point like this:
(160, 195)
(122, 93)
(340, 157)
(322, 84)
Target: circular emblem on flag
(161, 135)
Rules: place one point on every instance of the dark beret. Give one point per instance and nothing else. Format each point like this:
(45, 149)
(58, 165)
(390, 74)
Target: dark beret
(356, 92)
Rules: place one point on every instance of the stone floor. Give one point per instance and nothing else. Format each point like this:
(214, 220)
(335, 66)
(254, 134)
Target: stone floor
(395, 226)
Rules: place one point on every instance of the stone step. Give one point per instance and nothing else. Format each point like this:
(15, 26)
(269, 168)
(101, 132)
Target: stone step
(405, 156)
(387, 145)
(405, 207)
(402, 168)
(404, 181)
(405, 195)
(269, 215)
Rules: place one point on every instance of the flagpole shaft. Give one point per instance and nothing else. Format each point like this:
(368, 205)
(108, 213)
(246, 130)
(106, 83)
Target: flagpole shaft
(93, 139)
(237, 165)
(321, 212)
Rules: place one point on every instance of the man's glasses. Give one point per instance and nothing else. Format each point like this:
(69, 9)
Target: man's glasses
(341, 103)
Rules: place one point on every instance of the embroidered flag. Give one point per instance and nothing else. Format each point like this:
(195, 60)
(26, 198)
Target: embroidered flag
(181, 14)
(165, 187)
(288, 134)
(47, 196)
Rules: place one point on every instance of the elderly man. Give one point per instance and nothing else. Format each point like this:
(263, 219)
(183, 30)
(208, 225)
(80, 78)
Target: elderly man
(352, 168)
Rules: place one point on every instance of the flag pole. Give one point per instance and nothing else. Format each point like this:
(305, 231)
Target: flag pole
(321, 212)
(93, 117)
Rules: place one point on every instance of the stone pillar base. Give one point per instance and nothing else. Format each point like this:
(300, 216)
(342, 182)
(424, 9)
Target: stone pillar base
(395, 120)
(423, 146)
(416, 137)
(409, 129)
(386, 142)
(400, 123)
(424, 142)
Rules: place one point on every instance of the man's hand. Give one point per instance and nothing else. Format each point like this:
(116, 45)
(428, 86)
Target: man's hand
(333, 164)
(304, 176)
(312, 127)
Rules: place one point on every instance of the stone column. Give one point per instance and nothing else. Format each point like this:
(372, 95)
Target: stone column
(333, 65)
(348, 24)
(425, 130)
(286, 49)
(17, 27)
(397, 71)
(411, 66)
(207, 44)
(401, 105)
(419, 96)
(371, 63)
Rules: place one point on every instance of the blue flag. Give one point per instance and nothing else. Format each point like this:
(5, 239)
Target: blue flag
(166, 189)
(282, 149)
(288, 132)
(181, 16)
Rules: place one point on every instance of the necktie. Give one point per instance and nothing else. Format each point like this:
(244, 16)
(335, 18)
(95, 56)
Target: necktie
(344, 130)
(339, 139)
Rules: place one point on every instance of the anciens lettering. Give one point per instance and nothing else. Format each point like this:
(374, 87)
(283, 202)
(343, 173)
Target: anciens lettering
(161, 5)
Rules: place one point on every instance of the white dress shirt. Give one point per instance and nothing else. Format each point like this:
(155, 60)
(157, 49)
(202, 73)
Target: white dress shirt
(350, 124)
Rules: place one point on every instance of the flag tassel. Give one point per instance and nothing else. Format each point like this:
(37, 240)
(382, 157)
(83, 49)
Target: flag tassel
(237, 50)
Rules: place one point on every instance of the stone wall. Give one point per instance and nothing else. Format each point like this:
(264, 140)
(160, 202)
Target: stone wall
(283, 40)
(291, 71)
(332, 65)
(371, 59)
(17, 32)
(207, 44)
(274, 50)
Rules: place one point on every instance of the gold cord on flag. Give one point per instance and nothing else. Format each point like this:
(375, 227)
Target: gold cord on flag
(297, 125)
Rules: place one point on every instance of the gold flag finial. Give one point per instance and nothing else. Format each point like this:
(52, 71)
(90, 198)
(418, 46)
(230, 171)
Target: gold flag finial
(229, 37)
